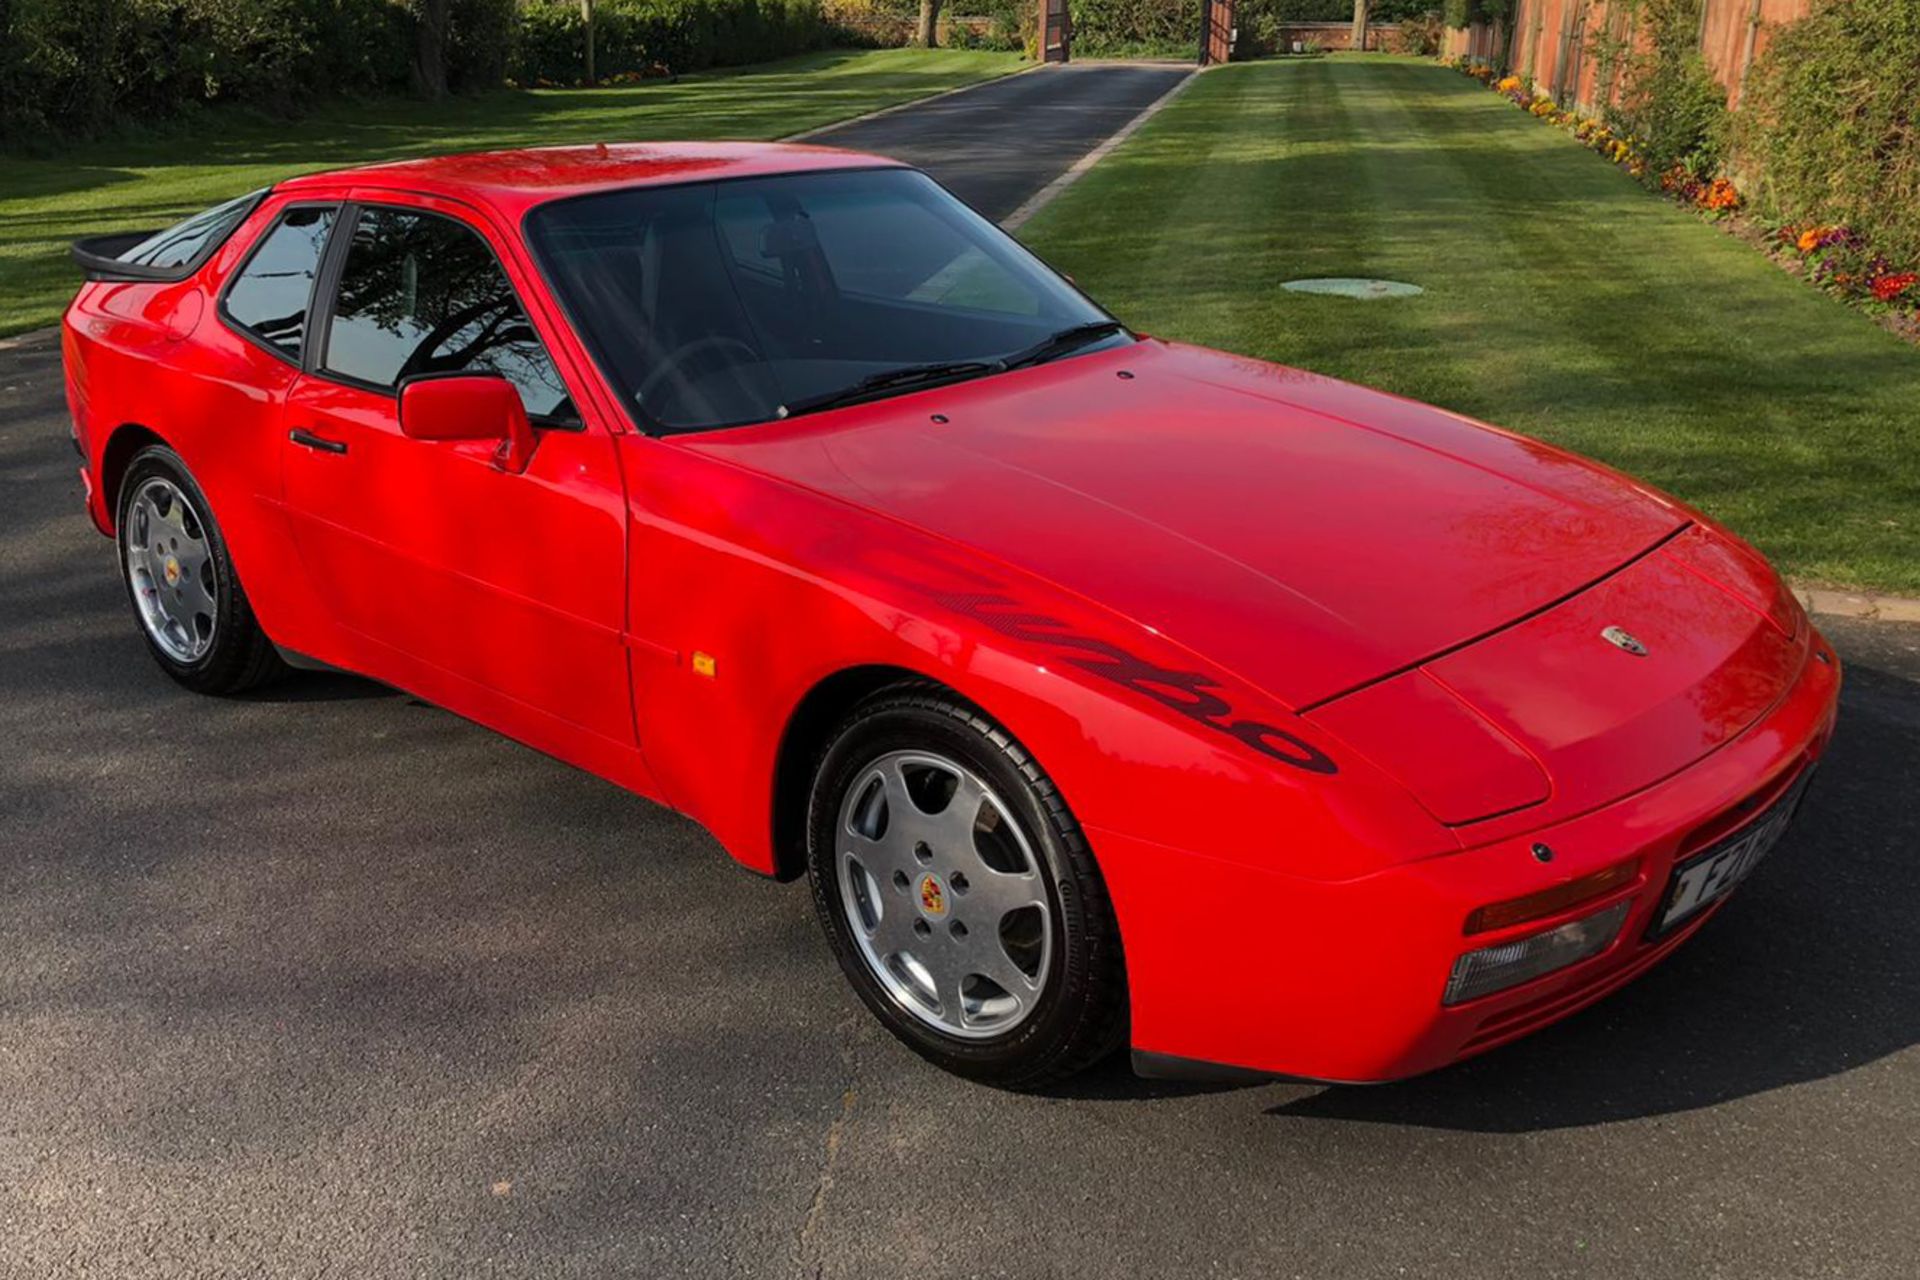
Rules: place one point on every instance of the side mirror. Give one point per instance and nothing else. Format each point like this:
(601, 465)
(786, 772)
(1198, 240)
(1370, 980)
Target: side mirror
(468, 406)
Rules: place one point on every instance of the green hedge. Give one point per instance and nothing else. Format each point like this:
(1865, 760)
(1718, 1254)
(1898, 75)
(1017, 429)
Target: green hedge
(638, 36)
(73, 68)
(1112, 28)
(1135, 28)
(76, 67)
(1829, 124)
(1115, 28)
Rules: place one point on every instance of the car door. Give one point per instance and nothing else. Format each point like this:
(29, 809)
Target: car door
(264, 308)
(460, 579)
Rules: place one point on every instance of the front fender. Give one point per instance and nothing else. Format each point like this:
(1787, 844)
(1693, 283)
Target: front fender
(778, 589)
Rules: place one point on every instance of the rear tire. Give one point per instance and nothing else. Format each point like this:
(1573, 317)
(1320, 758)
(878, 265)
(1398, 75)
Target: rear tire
(186, 597)
(960, 896)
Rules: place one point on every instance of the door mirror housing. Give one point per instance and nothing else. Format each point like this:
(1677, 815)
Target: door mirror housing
(468, 406)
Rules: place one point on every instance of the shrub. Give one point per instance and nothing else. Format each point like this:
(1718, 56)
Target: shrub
(890, 24)
(1460, 14)
(1419, 35)
(77, 67)
(1829, 131)
(1135, 28)
(638, 36)
(1015, 26)
(1669, 100)
(480, 44)
(883, 24)
(1260, 33)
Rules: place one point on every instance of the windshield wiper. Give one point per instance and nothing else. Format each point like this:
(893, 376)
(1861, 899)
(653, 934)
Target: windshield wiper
(906, 378)
(915, 376)
(1055, 345)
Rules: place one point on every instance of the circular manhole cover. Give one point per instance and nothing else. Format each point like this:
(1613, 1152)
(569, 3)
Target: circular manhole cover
(1353, 287)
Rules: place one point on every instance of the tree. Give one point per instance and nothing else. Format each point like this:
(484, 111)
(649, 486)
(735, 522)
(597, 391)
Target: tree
(9, 53)
(586, 20)
(1359, 25)
(929, 34)
(431, 19)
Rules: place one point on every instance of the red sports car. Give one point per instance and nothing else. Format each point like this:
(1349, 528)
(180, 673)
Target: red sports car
(1106, 689)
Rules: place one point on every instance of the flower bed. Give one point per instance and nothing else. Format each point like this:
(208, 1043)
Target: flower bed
(1839, 260)
(1836, 259)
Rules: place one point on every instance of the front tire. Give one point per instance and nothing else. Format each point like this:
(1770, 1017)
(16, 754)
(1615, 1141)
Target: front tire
(959, 895)
(180, 579)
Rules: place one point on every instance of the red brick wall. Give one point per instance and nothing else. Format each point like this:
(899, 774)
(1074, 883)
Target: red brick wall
(1338, 35)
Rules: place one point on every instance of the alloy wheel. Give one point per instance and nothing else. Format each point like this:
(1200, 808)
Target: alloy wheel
(169, 561)
(944, 893)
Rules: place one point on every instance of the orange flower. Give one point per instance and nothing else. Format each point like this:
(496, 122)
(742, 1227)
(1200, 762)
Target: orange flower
(1719, 194)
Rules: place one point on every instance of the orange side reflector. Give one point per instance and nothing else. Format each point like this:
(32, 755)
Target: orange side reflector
(1535, 906)
(704, 665)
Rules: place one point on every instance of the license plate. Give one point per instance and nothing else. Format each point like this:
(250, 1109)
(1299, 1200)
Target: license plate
(1705, 878)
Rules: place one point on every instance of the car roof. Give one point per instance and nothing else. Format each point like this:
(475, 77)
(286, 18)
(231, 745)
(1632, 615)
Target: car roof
(514, 181)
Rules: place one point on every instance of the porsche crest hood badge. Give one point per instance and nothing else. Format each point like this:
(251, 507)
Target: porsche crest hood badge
(1621, 638)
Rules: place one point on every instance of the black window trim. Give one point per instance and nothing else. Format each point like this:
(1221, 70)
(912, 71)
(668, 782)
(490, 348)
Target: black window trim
(239, 327)
(327, 286)
(642, 421)
(98, 257)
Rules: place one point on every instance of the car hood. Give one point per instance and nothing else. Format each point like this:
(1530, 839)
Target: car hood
(1306, 535)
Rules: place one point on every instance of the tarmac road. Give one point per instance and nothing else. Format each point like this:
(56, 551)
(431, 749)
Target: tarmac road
(326, 982)
(996, 144)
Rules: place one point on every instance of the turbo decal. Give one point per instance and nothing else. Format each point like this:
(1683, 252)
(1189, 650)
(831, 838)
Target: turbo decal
(1190, 693)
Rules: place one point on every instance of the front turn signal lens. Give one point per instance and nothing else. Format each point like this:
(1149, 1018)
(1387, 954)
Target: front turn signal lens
(1549, 902)
(1491, 969)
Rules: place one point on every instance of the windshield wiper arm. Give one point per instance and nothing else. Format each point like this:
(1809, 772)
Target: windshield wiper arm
(902, 379)
(1059, 344)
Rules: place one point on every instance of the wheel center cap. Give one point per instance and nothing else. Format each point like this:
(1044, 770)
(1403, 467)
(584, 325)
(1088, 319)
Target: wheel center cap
(933, 896)
(172, 570)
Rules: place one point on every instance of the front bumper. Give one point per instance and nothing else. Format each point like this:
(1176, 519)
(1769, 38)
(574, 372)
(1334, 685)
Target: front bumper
(1265, 972)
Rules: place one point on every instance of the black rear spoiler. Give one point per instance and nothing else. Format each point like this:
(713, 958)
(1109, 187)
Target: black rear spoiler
(99, 258)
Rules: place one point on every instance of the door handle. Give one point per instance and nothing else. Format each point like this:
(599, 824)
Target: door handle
(306, 439)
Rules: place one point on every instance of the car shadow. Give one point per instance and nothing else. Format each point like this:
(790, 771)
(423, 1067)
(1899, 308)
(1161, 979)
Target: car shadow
(322, 686)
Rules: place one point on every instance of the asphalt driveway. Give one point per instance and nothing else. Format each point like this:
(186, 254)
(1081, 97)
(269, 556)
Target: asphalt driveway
(328, 982)
(997, 143)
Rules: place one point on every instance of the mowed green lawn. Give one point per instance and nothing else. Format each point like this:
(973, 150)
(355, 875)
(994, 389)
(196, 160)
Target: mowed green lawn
(1562, 300)
(153, 180)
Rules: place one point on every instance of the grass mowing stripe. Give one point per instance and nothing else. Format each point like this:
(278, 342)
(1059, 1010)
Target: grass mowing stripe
(1634, 287)
(1562, 299)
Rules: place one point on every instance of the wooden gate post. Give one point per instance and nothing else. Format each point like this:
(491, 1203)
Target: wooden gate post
(1056, 31)
(1216, 31)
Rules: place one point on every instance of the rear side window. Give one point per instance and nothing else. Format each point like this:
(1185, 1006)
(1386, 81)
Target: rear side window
(188, 243)
(420, 293)
(270, 295)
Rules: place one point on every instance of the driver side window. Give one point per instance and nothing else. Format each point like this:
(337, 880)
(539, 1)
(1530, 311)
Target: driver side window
(421, 293)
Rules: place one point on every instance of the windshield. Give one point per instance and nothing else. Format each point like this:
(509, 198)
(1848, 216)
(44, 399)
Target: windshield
(721, 303)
